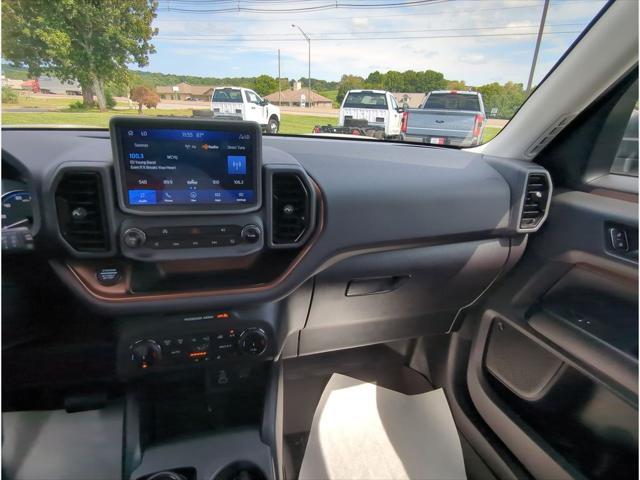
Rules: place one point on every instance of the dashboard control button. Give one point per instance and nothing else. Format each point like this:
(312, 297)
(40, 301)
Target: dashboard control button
(146, 353)
(253, 341)
(175, 353)
(251, 233)
(619, 239)
(159, 232)
(228, 241)
(134, 237)
(108, 276)
(225, 348)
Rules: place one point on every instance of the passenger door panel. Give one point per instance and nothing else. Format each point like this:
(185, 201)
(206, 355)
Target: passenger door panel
(554, 363)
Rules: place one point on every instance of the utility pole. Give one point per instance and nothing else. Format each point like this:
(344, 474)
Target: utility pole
(308, 39)
(538, 41)
(279, 87)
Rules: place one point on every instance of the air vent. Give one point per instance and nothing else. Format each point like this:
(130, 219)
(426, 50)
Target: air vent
(81, 214)
(291, 208)
(536, 200)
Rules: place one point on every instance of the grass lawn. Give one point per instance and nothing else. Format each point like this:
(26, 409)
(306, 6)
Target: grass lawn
(299, 124)
(84, 119)
(32, 101)
(291, 124)
(303, 124)
(489, 133)
(333, 95)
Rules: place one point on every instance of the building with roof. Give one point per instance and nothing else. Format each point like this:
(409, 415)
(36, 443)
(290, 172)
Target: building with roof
(57, 87)
(185, 91)
(13, 83)
(293, 98)
(30, 85)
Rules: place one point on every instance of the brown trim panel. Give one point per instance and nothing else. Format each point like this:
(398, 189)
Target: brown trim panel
(84, 273)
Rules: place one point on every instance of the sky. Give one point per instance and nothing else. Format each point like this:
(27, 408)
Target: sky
(489, 40)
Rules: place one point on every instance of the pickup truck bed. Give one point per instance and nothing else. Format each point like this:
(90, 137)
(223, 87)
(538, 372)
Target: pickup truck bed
(447, 118)
(429, 126)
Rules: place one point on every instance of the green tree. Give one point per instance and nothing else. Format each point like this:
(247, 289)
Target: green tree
(348, 82)
(375, 80)
(9, 95)
(505, 98)
(264, 85)
(393, 81)
(430, 80)
(456, 85)
(90, 41)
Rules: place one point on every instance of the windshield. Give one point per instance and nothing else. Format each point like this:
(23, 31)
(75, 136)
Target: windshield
(365, 100)
(452, 101)
(306, 67)
(227, 95)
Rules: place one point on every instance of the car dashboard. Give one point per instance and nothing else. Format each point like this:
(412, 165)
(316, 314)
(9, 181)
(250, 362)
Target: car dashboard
(350, 243)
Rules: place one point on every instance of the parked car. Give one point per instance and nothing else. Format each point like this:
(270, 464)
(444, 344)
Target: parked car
(244, 104)
(446, 117)
(375, 111)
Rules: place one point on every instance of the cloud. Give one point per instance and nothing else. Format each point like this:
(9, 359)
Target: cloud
(477, 60)
(360, 21)
(473, 58)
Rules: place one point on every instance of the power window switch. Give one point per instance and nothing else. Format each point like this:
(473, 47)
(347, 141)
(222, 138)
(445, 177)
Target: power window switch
(619, 239)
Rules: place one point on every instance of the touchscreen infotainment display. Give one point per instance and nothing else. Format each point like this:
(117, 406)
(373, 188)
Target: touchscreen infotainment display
(187, 167)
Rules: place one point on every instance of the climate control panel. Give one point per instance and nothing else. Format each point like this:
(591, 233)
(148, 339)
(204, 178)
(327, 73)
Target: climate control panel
(168, 351)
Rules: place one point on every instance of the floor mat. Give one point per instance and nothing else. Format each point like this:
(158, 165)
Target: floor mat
(306, 378)
(56, 445)
(363, 431)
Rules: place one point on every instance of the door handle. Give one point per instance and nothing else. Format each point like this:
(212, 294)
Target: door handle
(372, 286)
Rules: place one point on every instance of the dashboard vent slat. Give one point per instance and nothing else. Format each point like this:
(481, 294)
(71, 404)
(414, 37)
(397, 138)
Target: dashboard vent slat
(536, 200)
(291, 206)
(87, 230)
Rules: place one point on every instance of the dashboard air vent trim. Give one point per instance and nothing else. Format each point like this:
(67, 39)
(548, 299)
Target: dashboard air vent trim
(536, 197)
(81, 211)
(291, 206)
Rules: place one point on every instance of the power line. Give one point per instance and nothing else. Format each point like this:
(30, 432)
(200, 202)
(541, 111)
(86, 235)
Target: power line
(385, 16)
(315, 8)
(318, 35)
(191, 38)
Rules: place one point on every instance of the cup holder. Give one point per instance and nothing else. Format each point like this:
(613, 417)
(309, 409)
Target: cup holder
(241, 471)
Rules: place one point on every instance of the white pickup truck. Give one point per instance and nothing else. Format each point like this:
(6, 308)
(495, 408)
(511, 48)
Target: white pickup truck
(244, 104)
(374, 111)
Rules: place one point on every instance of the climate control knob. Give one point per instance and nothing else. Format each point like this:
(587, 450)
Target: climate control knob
(146, 353)
(134, 237)
(253, 341)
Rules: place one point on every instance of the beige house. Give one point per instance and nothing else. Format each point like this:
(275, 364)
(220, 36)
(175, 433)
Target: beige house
(412, 100)
(185, 91)
(293, 98)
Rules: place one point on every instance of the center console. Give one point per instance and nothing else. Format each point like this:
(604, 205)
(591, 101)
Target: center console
(199, 214)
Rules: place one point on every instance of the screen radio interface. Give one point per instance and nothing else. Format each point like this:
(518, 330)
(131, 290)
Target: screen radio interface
(194, 166)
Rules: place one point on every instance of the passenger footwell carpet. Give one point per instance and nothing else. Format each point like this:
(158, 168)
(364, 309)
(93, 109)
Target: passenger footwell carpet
(363, 431)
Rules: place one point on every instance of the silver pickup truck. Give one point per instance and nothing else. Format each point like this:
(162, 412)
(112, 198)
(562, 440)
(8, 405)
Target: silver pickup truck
(446, 117)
